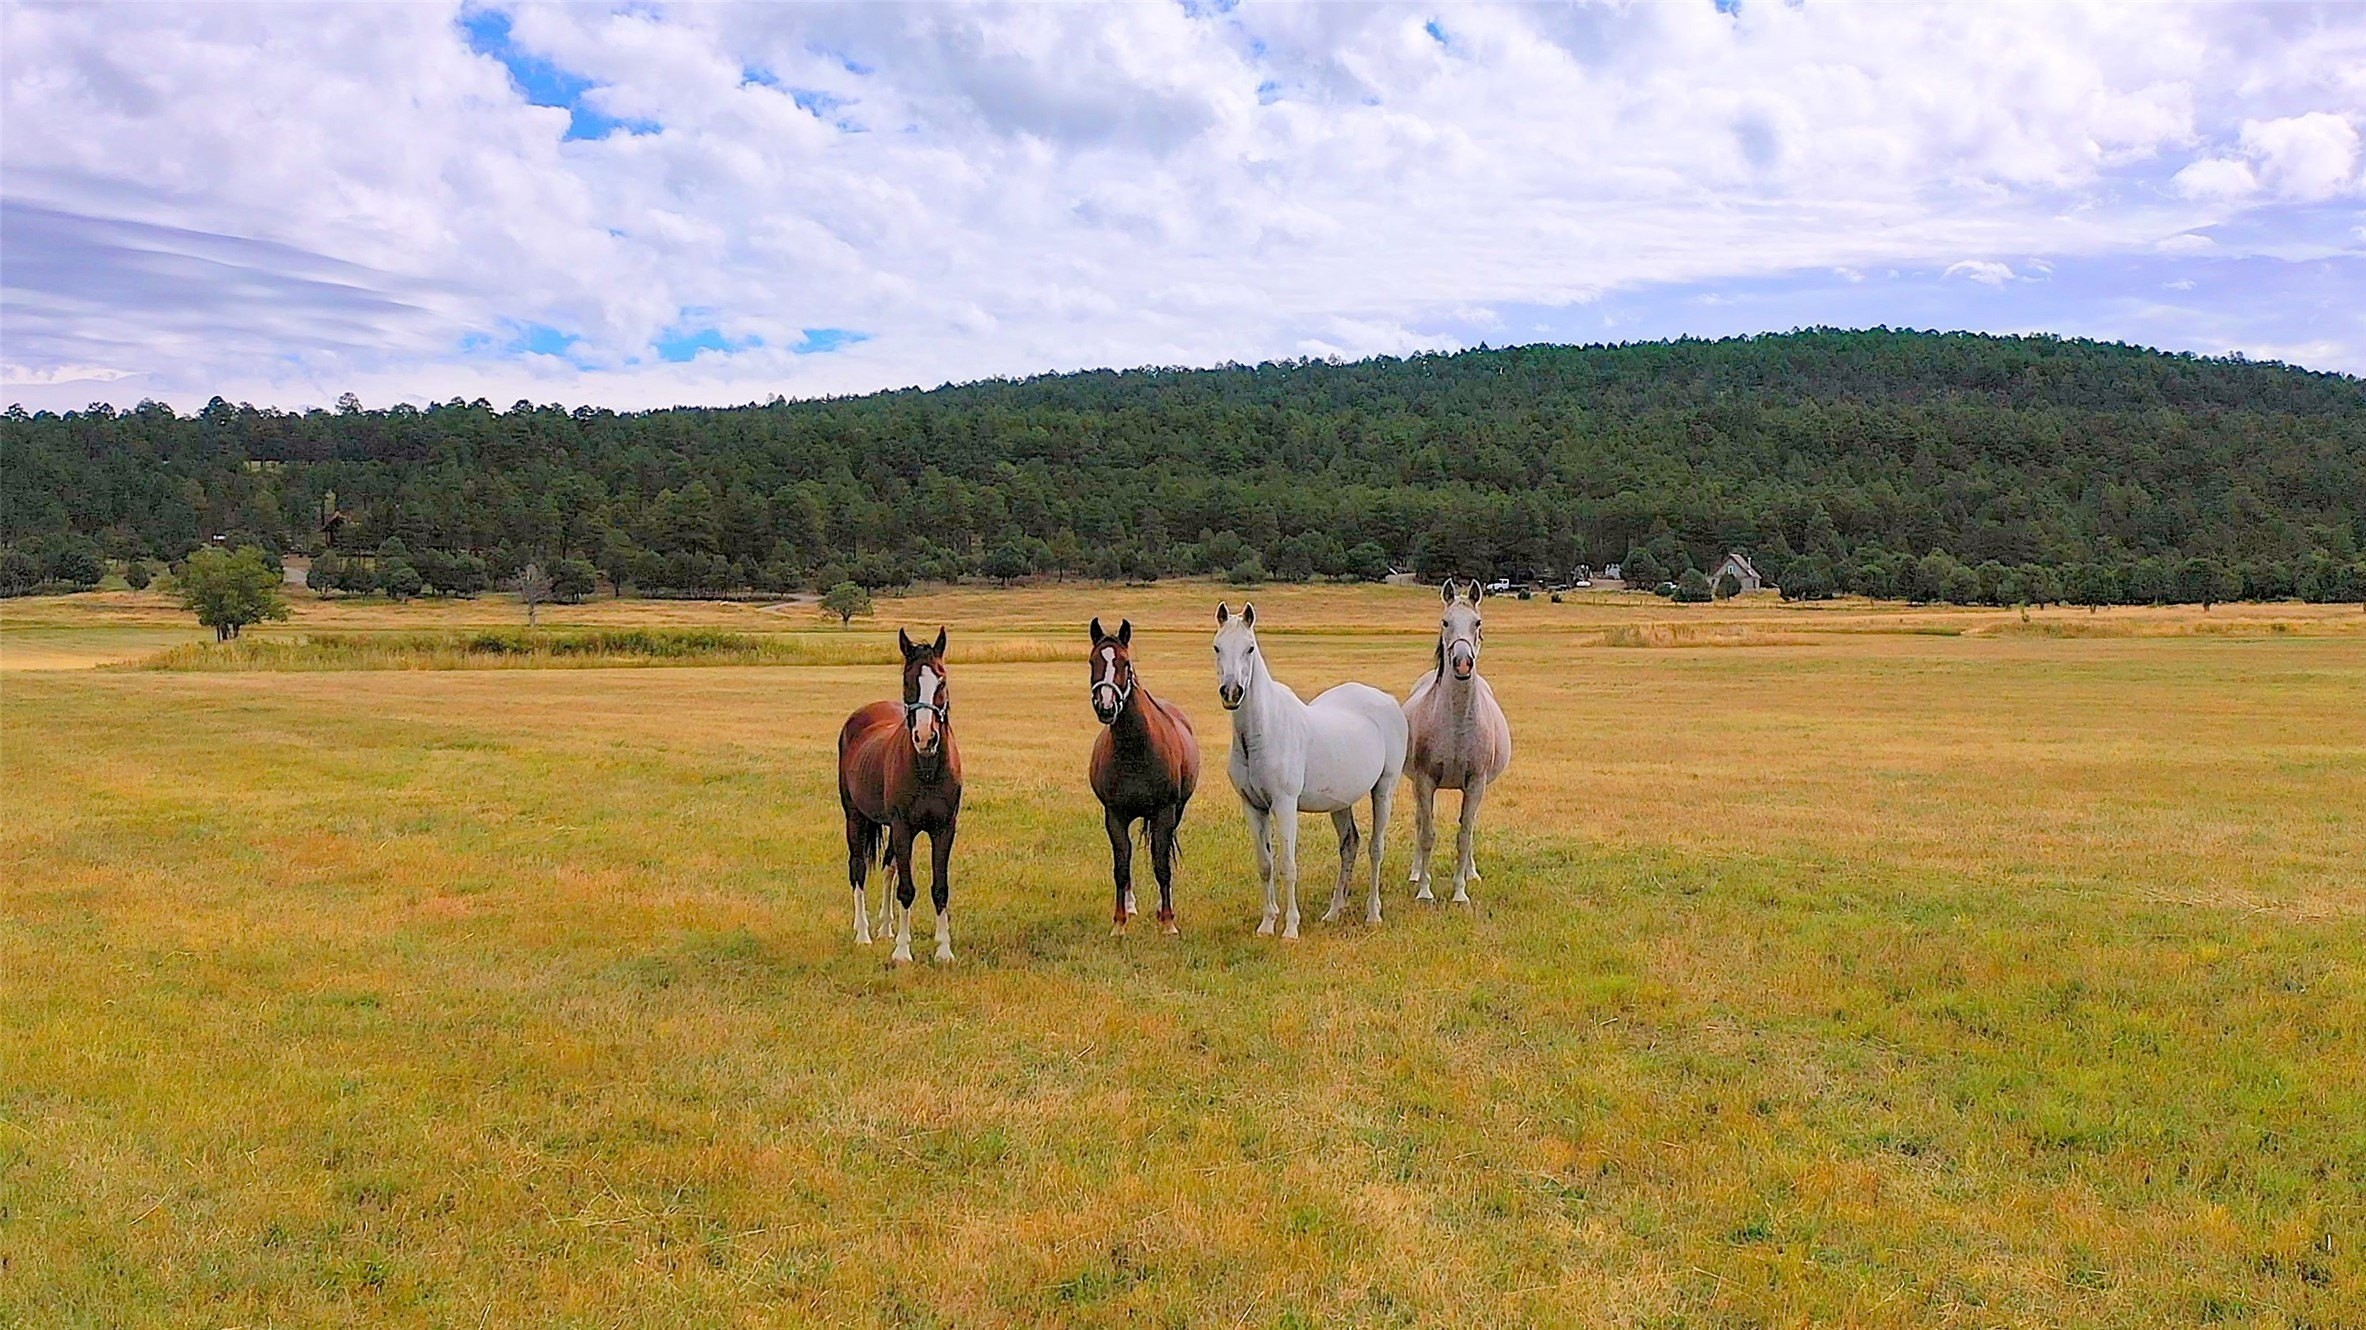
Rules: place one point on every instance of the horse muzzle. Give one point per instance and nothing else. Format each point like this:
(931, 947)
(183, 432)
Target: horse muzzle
(1230, 695)
(1463, 663)
(1105, 710)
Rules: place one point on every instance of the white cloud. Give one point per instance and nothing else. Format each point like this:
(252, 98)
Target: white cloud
(2307, 157)
(283, 205)
(1986, 272)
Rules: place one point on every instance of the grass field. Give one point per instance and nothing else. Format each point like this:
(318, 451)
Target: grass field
(1865, 965)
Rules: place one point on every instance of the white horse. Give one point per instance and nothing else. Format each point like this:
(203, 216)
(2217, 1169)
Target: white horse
(1290, 757)
(1459, 740)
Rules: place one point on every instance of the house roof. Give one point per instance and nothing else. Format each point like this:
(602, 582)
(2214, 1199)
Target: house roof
(1741, 560)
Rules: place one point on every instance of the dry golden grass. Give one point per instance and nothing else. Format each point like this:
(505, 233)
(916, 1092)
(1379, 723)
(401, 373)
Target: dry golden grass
(1915, 972)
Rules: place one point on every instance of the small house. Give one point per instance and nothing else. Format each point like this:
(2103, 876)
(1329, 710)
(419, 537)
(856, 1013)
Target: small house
(1738, 564)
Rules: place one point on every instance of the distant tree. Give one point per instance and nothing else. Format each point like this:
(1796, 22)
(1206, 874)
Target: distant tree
(1248, 572)
(76, 563)
(1728, 586)
(2205, 582)
(228, 590)
(1693, 587)
(847, 600)
(2092, 585)
(1008, 562)
(1808, 577)
(534, 588)
(326, 574)
(136, 575)
(573, 580)
(398, 578)
(1366, 562)
(1642, 569)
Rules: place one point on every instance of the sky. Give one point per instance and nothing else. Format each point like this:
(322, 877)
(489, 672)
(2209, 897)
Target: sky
(647, 204)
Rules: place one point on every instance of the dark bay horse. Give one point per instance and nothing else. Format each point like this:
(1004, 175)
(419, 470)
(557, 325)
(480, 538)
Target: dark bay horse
(1145, 766)
(899, 776)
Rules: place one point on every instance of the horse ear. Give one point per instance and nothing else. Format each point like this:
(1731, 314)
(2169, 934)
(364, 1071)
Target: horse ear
(1125, 632)
(904, 640)
(1097, 633)
(940, 646)
(1223, 614)
(1248, 614)
(1448, 590)
(1478, 591)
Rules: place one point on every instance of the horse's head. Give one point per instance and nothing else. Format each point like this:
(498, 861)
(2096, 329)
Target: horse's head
(1236, 654)
(1459, 631)
(928, 702)
(1112, 670)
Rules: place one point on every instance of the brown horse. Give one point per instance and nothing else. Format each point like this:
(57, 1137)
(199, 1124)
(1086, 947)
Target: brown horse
(1145, 766)
(899, 775)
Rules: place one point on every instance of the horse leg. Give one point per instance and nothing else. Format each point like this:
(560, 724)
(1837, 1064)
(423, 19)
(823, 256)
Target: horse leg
(1425, 831)
(1344, 822)
(1121, 863)
(1384, 797)
(1162, 861)
(1285, 850)
(899, 845)
(858, 870)
(940, 888)
(1466, 850)
(1261, 835)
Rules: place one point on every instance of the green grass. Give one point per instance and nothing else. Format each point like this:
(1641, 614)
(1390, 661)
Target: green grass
(1877, 979)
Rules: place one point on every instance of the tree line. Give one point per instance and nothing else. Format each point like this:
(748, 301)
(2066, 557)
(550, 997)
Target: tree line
(1891, 463)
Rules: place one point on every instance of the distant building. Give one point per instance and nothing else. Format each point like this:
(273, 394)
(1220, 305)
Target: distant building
(1738, 564)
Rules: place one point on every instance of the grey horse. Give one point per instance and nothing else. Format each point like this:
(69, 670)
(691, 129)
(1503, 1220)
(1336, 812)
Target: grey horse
(1458, 738)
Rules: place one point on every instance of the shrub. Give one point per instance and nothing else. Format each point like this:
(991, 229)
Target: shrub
(1693, 588)
(136, 575)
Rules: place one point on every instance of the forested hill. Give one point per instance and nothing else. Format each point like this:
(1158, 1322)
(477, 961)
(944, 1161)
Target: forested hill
(1897, 463)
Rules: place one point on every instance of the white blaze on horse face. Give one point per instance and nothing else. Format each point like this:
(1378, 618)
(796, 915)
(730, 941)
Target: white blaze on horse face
(1236, 653)
(1108, 697)
(924, 715)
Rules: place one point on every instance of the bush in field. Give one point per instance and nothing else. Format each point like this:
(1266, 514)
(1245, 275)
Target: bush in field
(1641, 569)
(136, 575)
(1693, 587)
(846, 600)
(573, 580)
(229, 590)
(1728, 586)
(1248, 572)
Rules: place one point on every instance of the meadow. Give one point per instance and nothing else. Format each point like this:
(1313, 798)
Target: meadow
(1842, 964)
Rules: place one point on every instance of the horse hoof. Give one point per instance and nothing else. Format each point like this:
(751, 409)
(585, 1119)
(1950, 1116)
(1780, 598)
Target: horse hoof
(1290, 934)
(1169, 929)
(1331, 916)
(900, 958)
(944, 955)
(1373, 917)
(1265, 929)
(1424, 894)
(1117, 929)
(1462, 898)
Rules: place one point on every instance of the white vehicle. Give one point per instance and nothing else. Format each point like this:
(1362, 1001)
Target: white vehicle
(1499, 586)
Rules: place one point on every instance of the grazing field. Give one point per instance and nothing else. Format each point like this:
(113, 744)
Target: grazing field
(1841, 964)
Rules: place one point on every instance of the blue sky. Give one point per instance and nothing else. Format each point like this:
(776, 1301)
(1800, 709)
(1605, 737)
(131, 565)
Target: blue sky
(647, 204)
